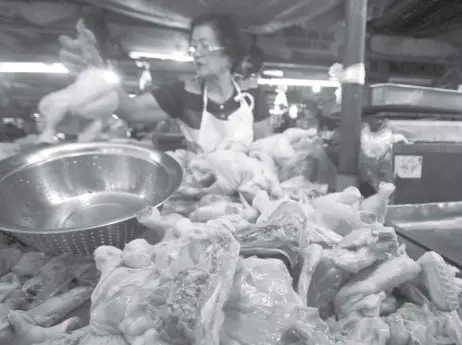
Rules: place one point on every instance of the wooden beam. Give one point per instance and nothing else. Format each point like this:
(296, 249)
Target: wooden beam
(23, 27)
(352, 92)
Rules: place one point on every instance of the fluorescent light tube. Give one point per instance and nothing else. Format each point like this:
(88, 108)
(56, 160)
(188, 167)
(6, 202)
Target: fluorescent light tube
(273, 73)
(40, 67)
(298, 82)
(172, 57)
(32, 67)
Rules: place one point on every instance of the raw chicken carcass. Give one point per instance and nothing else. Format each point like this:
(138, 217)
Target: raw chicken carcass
(309, 161)
(362, 247)
(29, 264)
(78, 337)
(175, 226)
(220, 209)
(325, 271)
(9, 257)
(266, 207)
(281, 234)
(399, 335)
(436, 287)
(318, 234)
(412, 292)
(310, 257)
(345, 211)
(324, 279)
(159, 225)
(284, 147)
(58, 307)
(423, 325)
(363, 331)
(277, 146)
(342, 218)
(229, 145)
(266, 160)
(179, 205)
(8, 284)
(55, 277)
(349, 196)
(177, 299)
(23, 331)
(302, 190)
(443, 289)
(440, 281)
(300, 138)
(92, 95)
(233, 172)
(263, 309)
(374, 280)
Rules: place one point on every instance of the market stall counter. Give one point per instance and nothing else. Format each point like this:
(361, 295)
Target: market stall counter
(434, 226)
(252, 252)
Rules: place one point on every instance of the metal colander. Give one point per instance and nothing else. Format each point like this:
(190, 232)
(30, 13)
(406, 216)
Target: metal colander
(76, 197)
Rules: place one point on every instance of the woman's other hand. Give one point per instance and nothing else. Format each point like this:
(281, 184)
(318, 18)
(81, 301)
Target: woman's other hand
(81, 52)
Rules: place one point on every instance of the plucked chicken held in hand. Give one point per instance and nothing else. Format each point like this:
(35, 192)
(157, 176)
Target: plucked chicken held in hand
(92, 95)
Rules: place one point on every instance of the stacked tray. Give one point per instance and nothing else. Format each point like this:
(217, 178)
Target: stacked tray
(416, 98)
(404, 99)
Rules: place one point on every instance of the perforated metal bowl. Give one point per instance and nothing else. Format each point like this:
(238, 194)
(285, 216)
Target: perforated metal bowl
(76, 197)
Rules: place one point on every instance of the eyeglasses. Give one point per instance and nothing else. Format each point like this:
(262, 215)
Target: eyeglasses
(204, 49)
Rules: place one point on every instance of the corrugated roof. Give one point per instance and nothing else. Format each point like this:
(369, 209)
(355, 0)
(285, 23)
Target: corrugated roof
(259, 16)
(419, 18)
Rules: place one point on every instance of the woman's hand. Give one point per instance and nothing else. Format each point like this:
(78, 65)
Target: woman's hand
(80, 53)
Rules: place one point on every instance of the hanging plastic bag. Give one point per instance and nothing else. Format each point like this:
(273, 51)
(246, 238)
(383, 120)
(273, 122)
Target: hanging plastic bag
(277, 146)
(375, 158)
(310, 160)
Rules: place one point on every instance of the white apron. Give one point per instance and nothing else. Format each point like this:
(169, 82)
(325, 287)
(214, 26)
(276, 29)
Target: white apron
(237, 128)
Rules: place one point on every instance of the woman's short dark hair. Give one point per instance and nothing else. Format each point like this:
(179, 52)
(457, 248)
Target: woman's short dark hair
(233, 40)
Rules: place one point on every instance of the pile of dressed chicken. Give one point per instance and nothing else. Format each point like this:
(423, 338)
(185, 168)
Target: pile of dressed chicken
(246, 254)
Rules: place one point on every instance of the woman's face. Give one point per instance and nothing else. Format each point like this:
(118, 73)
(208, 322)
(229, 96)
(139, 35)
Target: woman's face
(208, 52)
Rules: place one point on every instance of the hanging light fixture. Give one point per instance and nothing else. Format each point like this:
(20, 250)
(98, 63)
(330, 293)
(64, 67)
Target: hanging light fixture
(293, 111)
(145, 77)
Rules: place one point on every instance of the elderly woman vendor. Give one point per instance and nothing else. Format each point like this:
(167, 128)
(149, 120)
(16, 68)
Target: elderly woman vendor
(213, 108)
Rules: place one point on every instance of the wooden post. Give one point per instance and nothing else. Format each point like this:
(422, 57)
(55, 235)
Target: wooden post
(352, 90)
